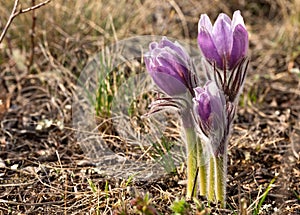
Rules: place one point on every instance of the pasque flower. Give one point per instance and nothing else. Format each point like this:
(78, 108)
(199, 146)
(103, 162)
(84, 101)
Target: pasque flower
(206, 111)
(225, 42)
(211, 114)
(169, 66)
(210, 111)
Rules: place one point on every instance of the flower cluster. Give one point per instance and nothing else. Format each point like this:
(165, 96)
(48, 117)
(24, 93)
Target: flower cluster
(211, 107)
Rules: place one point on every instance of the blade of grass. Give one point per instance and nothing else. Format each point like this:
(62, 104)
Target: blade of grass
(263, 197)
(92, 186)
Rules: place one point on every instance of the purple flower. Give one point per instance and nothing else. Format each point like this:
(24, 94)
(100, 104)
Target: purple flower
(203, 103)
(169, 66)
(225, 42)
(210, 111)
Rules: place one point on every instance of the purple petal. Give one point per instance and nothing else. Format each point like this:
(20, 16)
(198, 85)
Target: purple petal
(173, 67)
(222, 35)
(198, 91)
(237, 19)
(240, 45)
(168, 83)
(167, 72)
(166, 43)
(224, 17)
(217, 98)
(203, 106)
(174, 47)
(153, 45)
(149, 63)
(205, 22)
(169, 66)
(171, 59)
(181, 52)
(218, 106)
(208, 47)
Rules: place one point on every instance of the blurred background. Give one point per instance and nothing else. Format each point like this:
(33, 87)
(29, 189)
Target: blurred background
(72, 30)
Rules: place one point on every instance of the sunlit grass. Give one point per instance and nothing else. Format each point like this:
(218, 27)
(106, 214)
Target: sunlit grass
(161, 153)
(287, 41)
(260, 201)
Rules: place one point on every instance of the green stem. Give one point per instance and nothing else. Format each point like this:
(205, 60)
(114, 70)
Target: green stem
(202, 169)
(211, 179)
(220, 167)
(191, 161)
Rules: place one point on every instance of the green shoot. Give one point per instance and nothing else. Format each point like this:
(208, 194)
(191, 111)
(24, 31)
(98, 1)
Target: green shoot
(92, 186)
(130, 179)
(106, 188)
(296, 194)
(263, 197)
(162, 154)
(104, 95)
(180, 207)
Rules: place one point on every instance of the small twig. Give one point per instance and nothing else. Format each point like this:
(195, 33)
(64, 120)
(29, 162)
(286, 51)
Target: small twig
(15, 13)
(29, 204)
(9, 20)
(35, 7)
(16, 185)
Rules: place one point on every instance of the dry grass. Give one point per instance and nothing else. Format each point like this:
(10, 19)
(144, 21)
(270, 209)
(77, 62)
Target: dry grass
(43, 170)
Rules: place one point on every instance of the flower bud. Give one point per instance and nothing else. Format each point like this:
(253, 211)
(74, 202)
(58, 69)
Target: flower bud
(203, 103)
(224, 42)
(210, 111)
(169, 66)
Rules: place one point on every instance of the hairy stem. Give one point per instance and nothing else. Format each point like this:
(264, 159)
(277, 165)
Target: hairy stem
(202, 169)
(191, 161)
(211, 180)
(220, 173)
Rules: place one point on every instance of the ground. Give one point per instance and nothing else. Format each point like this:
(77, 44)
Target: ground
(45, 170)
